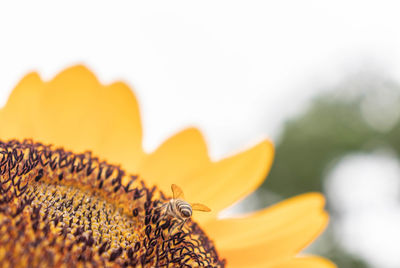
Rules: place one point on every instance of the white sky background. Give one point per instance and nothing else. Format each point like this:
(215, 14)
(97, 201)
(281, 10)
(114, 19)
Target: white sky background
(237, 70)
(365, 189)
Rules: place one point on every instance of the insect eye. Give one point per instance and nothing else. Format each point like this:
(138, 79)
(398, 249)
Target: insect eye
(186, 213)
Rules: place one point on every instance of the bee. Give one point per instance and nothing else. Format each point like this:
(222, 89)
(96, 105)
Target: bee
(178, 209)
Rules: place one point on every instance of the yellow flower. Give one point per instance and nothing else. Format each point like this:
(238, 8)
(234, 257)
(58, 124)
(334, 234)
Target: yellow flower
(78, 113)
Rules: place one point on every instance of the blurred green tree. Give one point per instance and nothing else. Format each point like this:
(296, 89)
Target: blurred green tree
(348, 119)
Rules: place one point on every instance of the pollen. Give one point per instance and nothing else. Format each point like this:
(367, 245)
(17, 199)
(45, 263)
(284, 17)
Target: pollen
(60, 209)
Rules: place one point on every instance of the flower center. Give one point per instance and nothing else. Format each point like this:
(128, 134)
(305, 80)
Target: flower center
(59, 208)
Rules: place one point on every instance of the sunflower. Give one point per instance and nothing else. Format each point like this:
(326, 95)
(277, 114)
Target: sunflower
(63, 203)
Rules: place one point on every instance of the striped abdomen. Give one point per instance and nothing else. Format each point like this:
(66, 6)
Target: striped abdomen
(183, 208)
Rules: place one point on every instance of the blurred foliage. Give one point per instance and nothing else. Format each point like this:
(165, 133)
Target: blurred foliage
(312, 143)
(327, 246)
(333, 126)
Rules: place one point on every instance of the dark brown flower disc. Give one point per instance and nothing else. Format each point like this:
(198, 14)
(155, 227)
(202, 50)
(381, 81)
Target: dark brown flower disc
(60, 209)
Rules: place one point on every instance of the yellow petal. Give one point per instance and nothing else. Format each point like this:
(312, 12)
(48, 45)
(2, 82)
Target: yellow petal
(305, 262)
(75, 111)
(175, 160)
(271, 234)
(229, 180)
(17, 119)
(183, 160)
